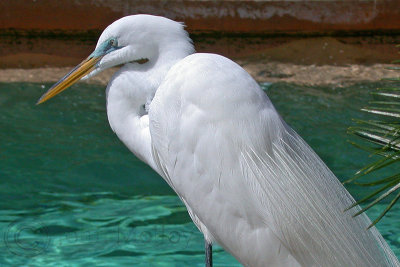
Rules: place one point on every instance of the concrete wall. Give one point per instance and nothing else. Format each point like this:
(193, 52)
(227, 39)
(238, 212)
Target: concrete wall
(258, 17)
(35, 33)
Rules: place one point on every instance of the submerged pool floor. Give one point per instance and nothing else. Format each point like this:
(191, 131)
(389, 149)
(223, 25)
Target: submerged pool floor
(72, 195)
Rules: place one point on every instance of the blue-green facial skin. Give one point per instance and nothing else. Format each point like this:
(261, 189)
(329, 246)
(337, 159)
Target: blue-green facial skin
(106, 47)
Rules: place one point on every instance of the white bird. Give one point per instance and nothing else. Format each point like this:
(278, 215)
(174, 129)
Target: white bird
(249, 182)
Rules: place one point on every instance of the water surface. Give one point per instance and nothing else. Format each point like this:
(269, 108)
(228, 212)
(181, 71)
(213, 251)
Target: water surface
(72, 195)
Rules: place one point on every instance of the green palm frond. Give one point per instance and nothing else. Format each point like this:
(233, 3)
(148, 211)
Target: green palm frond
(382, 138)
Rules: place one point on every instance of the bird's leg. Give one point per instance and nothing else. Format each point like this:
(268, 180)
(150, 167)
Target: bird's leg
(208, 249)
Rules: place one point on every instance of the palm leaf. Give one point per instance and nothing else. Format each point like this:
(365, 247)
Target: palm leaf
(381, 138)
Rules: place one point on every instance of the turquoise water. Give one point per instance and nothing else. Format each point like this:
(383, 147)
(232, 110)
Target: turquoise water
(72, 195)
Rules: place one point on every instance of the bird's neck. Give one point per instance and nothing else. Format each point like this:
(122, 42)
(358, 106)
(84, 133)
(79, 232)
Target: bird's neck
(129, 94)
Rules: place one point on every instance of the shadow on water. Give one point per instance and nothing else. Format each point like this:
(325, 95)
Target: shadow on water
(72, 194)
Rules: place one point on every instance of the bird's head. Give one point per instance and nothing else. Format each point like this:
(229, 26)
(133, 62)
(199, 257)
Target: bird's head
(132, 39)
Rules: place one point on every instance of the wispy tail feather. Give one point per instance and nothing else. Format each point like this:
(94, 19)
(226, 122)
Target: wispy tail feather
(304, 205)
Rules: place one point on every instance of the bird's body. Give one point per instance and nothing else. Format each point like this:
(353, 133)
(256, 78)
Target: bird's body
(200, 155)
(248, 180)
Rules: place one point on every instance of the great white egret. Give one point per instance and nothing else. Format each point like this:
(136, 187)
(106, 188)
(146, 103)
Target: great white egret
(248, 180)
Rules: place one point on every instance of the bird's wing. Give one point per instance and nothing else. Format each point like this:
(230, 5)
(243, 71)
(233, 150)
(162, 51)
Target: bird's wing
(244, 172)
(306, 204)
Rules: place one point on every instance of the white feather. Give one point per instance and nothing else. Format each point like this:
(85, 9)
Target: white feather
(255, 185)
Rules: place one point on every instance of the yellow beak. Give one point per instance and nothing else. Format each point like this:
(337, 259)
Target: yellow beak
(72, 77)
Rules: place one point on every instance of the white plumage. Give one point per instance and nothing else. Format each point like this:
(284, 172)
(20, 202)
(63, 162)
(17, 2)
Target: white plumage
(254, 185)
(248, 180)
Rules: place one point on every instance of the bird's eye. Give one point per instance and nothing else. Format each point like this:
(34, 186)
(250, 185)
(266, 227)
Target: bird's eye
(113, 42)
